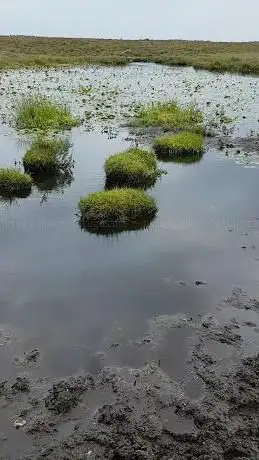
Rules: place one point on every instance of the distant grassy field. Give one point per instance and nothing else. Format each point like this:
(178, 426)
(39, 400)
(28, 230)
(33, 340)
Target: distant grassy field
(20, 51)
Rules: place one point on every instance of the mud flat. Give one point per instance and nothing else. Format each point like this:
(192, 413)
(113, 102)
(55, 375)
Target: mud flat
(126, 413)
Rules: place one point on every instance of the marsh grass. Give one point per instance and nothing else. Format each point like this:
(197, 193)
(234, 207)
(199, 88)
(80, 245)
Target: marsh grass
(182, 145)
(14, 184)
(47, 156)
(40, 113)
(21, 52)
(132, 168)
(118, 207)
(169, 116)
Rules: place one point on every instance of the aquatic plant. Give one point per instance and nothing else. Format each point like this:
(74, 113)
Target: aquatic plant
(181, 144)
(40, 113)
(14, 183)
(116, 207)
(47, 156)
(84, 90)
(132, 168)
(169, 115)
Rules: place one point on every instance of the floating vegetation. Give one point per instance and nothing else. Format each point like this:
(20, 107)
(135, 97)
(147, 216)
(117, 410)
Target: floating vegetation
(14, 184)
(132, 168)
(184, 144)
(47, 156)
(169, 115)
(41, 113)
(118, 208)
(84, 90)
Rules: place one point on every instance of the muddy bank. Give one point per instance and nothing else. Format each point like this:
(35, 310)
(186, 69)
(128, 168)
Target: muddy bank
(224, 141)
(125, 413)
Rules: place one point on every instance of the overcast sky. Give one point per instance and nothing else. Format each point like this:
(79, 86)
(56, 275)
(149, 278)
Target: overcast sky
(227, 20)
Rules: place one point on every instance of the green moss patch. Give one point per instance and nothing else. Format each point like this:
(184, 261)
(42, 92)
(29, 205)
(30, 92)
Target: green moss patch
(132, 168)
(39, 113)
(117, 207)
(184, 144)
(47, 156)
(169, 115)
(14, 183)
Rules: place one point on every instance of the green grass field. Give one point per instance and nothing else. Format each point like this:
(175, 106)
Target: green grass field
(21, 51)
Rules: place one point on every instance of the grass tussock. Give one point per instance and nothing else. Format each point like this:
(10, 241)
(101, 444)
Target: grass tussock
(14, 183)
(116, 207)
(22, 52)
(47, 156)
(183, 144)
(132, 168)
(40, 113)
(169, 115)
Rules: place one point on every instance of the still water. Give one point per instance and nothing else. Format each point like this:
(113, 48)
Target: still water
(73, 294)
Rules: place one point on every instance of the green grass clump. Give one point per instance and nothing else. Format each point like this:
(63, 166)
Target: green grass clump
(183, 144)
(132, 168)
(14, 183)
(169, 115)
(40, 113)
(123, 207)
(47, 156)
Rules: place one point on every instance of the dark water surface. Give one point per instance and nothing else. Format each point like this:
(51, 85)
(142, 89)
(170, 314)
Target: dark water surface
(73, 294)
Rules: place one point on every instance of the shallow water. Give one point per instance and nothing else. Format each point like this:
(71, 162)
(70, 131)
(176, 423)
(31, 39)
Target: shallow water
(73, 294)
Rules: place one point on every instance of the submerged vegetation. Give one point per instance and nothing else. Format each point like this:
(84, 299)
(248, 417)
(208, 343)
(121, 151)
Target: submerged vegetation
(123, 207)
(21, 51)
(169, 115)
(14, 183)
(132, 168)
(47, 156)
(41, 113)
(183, 144)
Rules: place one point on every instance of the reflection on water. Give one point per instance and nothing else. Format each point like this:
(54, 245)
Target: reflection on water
(63, 290)
(57, 181)
(117, 182)
(182, 159)
(10, 197)
(114, 228)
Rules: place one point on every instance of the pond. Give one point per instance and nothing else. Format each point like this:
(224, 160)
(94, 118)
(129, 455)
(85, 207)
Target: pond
(73, 294)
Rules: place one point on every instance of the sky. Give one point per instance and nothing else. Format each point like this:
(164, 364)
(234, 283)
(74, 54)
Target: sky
(220, 20)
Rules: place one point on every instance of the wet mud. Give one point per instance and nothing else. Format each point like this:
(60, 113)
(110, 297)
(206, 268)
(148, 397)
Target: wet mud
(126, 413)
